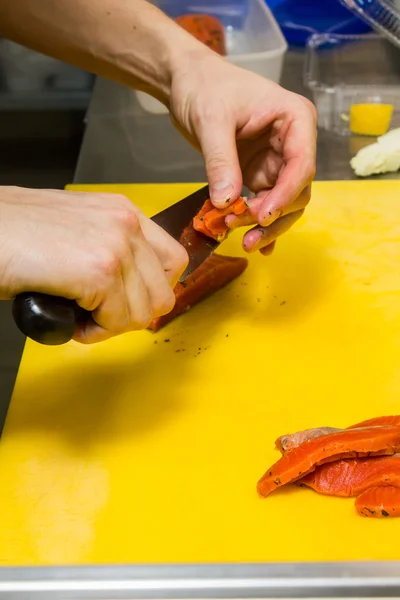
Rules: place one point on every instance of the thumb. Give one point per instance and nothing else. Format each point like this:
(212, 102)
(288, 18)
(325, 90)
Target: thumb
(218, 145)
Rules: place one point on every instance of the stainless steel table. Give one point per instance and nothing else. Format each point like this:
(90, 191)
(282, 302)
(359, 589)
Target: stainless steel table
(124, 144)
(206, 582)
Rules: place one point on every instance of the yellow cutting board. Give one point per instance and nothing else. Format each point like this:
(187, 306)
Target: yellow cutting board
(147, 448)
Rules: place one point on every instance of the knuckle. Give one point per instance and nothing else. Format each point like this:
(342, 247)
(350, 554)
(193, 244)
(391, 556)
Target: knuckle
(215, 161)
(128, 219)
(107, 264)
(308, 105)
(131, 221)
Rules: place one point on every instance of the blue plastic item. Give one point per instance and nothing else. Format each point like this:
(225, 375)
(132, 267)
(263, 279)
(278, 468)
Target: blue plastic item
(299, 19)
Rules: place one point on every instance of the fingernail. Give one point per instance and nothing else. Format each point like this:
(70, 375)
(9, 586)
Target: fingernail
(221, 193)
(270, 217)
(260, 243)
(253, 241)
(232, 221)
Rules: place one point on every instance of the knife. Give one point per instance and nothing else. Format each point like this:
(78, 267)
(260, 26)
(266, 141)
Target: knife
(52, 320)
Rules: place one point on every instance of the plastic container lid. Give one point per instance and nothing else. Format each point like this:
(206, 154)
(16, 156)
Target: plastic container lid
(300, 20)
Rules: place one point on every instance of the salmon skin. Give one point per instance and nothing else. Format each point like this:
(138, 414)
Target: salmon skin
(379, 502)
(213, 274)
(367, 441)
(292, 440)
(351, 477)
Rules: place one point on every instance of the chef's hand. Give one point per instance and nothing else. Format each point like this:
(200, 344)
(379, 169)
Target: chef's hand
(251, 131)
(97, 249)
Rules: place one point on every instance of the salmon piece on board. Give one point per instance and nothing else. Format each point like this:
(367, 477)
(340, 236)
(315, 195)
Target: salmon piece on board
(367, 441)
(379, 502)
(390, 420)
(215, 272)
(211, 221)
(352, 476)
(292, 440)
(205, 28)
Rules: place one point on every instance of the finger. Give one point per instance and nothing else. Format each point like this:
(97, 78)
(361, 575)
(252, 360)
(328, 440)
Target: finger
(218, 144)
(91, 333)
(159, 290)
(268, 250)
(109, 318)
(172, 256)
(250, 217)
(126, 307)
(297, 172)
(125, 303)
(260, 237)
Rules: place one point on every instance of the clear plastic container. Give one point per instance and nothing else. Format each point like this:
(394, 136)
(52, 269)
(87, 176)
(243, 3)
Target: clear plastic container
(342, 71)
(382, 15)
(253, 37)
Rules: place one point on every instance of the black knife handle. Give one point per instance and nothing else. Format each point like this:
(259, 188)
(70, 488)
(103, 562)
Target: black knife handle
(47, 319)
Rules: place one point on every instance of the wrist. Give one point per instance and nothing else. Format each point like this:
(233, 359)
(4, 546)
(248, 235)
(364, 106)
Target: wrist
(167, 52)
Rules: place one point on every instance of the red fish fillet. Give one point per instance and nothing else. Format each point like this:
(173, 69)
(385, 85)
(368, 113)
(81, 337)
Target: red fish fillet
(351, 477)
(216, 272)
(379, 502)
(207, 29)
(292, 440)
(211, 221)
(390, 420)
(368, 441)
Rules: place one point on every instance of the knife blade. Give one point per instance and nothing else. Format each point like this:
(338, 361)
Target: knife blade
(177, 221)
(52, 320)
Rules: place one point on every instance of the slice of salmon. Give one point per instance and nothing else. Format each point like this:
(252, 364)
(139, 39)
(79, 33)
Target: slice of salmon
(351, 477)
(207, 29)
(367, 441)
(211, 221)
(379, 502)
(216, 272)
(390, 420)
(292, 440)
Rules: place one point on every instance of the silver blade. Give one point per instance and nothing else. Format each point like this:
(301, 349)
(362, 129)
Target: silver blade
(177, 221)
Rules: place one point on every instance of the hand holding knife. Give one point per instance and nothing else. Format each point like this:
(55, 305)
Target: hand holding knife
(52, 320)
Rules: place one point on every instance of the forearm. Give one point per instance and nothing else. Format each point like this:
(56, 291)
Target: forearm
(129, 41)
